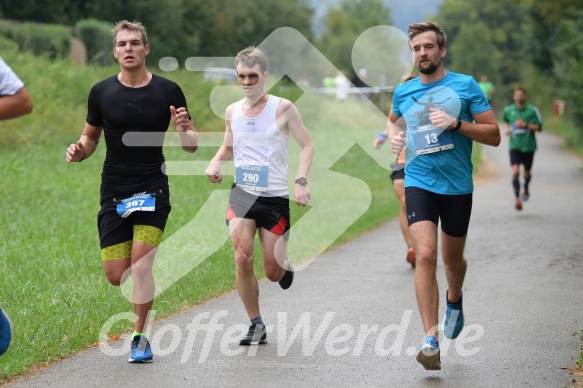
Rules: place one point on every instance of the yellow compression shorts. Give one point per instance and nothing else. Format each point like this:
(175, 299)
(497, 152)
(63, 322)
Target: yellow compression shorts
(142, 233)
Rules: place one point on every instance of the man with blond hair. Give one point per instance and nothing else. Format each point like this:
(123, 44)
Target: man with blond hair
(256, 137)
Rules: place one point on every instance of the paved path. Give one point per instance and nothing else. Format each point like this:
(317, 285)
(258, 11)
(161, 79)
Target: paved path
(351, 318)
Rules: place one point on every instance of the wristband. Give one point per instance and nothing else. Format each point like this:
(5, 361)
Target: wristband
(458, 125)
(383, 135)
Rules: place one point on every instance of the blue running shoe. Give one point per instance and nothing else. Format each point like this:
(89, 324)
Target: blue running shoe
(5, 332)
(428, 354)
(525, 195)
(453, 322)
(141, 351)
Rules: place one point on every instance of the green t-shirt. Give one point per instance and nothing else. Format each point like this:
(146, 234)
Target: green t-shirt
(522, 139)
(328, 83)
(487, 88)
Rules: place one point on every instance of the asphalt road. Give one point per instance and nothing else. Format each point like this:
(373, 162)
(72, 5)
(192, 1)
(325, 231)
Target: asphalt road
(350, 319)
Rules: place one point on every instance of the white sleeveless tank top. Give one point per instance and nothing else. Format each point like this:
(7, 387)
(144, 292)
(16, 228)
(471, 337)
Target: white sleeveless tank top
(258, 141)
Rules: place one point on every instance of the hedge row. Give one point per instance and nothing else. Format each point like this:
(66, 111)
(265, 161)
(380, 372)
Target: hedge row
(54, 41)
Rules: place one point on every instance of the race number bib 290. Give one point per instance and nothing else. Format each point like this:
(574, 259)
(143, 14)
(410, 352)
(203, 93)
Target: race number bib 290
(428, 139)
(139, 202)
(252, 177)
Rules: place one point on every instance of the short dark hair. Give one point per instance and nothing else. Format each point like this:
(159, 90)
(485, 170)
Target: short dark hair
(418, 28)
(520, 88)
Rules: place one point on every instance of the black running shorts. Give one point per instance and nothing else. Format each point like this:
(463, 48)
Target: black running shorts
(524, 158)
(146, 226)
(271, 213)
(397, 174)
(454, 211)
(398, 171)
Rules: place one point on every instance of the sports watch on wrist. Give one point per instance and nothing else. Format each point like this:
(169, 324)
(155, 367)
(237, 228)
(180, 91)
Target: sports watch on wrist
(302, 181)
(458, 124)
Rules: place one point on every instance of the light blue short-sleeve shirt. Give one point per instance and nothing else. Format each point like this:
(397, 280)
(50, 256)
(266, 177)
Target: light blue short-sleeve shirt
(449, 170)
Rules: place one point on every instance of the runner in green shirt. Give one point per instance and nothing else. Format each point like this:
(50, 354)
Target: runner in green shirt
(522, 121)
(487, 87)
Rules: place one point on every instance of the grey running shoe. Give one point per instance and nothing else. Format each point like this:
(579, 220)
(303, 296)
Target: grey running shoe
(257, 335)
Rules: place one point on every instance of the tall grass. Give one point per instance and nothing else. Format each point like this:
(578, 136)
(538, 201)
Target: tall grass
(53, 285)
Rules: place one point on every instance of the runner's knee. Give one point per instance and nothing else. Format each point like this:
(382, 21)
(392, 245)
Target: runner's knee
(244, 260)
(114, 276)
(115, 259)
(273, 271)
(426, 256)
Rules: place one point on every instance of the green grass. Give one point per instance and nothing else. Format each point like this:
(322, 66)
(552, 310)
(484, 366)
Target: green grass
(572, 135)
(53, 286)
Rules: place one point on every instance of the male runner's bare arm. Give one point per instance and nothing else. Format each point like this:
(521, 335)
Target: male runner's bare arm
(13, 106)
(185, 128)
(396, 130)
(295, 126)
(224, 154)
(86, 145)
(484, 129)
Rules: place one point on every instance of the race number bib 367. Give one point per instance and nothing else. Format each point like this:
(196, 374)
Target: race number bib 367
(428, 139)
(139, 202)
(252, 177)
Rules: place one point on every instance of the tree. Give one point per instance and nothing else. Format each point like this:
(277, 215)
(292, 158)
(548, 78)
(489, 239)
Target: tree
(345, 24)
(177, 28)
(507, 22)
(555, 48)
(474, 52)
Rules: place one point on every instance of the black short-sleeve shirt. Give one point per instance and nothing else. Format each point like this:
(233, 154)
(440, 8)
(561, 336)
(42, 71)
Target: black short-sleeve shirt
(121, 110)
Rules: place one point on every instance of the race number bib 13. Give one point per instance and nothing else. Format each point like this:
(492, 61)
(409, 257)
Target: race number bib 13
(252, 177)
(428, 139)
(139, 202)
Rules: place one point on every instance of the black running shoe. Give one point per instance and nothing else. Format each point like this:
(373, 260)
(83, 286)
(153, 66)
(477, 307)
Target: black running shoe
(256, 335)
(288, 277)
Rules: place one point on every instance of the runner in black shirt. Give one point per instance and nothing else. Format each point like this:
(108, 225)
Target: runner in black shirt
(133, 109)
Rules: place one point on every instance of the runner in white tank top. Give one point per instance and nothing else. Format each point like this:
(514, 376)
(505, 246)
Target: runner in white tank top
(257, 143)
(256, 136)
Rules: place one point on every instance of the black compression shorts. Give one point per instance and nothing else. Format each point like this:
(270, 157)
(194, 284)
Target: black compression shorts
(454, 211)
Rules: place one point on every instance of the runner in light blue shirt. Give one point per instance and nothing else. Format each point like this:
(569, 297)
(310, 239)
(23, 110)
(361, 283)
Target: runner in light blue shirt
(442, 113)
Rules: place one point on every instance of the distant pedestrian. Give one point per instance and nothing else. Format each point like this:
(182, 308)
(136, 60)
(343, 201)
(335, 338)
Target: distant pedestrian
(522, 120)
(328, 84)
(342, 86)
(487, 87)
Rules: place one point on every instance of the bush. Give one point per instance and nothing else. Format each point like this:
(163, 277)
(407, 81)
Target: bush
(54, 41)
(96, 35)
